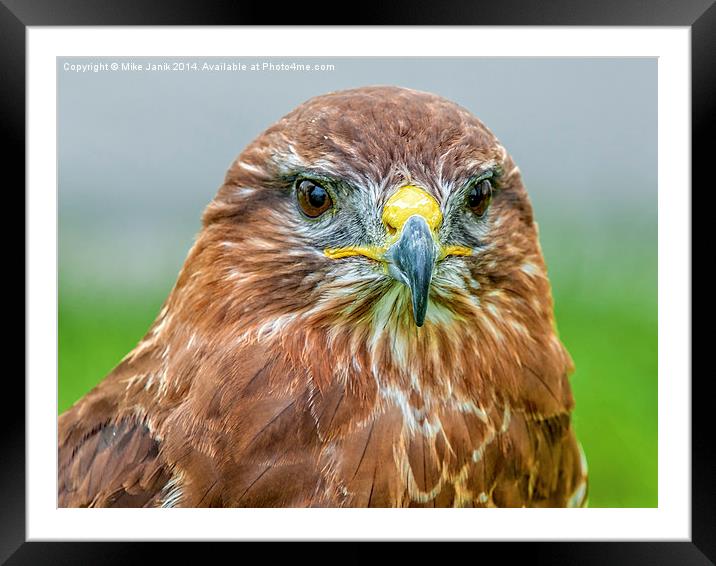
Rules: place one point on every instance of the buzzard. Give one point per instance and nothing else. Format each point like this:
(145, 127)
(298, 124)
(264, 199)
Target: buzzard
(364, 320)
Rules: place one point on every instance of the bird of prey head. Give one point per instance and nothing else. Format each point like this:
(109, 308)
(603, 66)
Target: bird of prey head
(367, 307)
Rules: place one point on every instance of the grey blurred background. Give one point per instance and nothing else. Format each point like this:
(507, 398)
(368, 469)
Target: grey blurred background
(142, 153)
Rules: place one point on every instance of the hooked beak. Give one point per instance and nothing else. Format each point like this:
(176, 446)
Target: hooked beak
(411, 261)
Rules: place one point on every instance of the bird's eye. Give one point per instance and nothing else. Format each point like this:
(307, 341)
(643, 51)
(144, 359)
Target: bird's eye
(313, 199)
(479, 197)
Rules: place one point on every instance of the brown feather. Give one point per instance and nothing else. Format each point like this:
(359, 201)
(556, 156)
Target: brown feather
(274, 376)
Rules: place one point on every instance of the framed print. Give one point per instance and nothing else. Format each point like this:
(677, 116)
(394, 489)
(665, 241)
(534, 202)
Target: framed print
(308, 274)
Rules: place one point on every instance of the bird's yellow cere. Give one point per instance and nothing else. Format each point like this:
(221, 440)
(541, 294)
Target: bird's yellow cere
(408, 201)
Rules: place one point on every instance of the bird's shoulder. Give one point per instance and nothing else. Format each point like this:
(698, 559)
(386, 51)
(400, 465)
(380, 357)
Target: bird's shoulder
(108, 453)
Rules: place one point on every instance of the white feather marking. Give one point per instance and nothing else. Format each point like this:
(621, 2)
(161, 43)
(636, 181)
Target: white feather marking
(416, 420)
(470, 407)
(493, 310)
(577, 498)
(289, 161)
(492, 328)
(506, 419)
(274, 326)
(530, 269)
(173, 491)
(248, 167)
(438, 314)
(519, 327)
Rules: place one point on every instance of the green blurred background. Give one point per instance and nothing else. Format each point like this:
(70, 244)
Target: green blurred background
(140, 155)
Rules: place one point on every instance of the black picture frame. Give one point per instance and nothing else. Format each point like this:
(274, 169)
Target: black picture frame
(17, 15)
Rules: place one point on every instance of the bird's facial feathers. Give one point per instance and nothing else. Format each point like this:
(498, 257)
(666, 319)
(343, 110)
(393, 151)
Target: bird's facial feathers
(376, 212)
